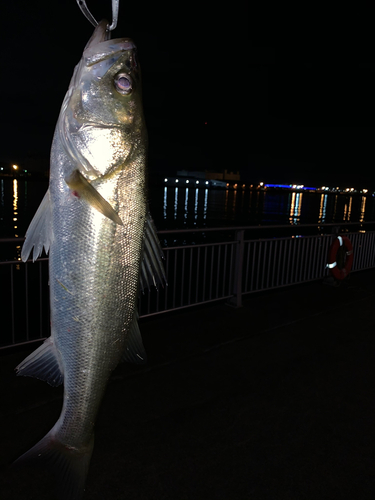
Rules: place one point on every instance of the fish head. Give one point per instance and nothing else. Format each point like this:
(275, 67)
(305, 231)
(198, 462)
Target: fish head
(102, 119)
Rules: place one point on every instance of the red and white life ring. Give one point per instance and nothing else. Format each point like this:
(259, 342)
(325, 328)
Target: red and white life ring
(340, 272)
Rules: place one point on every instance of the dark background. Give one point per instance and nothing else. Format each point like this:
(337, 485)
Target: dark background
(193, 66)
(314, 73)
(281, 96)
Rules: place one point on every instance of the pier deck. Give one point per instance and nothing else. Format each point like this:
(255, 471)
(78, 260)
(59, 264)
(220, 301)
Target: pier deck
(272, 401)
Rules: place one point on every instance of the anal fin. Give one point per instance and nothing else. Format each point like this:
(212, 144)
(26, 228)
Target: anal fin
(44, 364)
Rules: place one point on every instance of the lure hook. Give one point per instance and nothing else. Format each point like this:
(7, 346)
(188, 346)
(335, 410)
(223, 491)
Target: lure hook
(115, 8)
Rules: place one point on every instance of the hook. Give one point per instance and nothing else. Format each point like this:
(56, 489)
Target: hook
(115, 8)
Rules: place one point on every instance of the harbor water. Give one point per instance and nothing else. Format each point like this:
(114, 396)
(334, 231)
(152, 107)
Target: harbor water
(191, 207)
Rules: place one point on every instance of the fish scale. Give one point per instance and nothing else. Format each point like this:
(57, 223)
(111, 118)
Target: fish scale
(103, 280)
(102, 245)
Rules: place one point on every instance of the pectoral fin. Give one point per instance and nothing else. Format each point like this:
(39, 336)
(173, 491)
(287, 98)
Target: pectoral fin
(81, 187)
(39, 233)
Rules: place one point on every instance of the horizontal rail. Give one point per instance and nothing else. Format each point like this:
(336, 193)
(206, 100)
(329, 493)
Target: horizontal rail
(261, 227)
(197, 274)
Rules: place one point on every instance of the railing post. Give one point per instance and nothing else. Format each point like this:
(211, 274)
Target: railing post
(236, 300)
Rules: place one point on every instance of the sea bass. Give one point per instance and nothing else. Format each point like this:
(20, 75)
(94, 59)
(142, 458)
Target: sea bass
(102, 248)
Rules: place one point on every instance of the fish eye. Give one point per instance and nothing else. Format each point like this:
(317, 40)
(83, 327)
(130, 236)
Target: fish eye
(123, 83)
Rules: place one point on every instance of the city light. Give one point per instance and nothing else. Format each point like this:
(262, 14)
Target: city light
(283, 186)
(15, 167)
(261, 185)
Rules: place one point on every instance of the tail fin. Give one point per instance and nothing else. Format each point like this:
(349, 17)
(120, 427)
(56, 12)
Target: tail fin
(69, 465)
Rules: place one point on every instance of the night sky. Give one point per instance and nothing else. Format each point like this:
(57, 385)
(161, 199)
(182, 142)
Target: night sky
(223, 88)
(315, 78)
(192, 73)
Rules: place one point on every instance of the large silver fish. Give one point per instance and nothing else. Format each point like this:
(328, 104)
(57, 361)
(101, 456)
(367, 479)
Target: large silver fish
(102, 247)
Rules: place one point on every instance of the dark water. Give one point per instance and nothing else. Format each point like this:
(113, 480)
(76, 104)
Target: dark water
(19, 200)
(179, 208)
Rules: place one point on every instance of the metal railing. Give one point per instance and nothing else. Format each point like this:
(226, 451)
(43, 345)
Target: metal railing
(197, 273)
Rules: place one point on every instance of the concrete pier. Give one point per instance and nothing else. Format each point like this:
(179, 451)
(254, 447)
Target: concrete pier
(271, 401)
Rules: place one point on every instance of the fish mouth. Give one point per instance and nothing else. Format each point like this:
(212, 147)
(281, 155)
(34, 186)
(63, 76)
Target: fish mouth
(99, 35)
(99, 48)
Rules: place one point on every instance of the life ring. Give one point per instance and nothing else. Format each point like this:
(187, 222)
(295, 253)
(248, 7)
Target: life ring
(340, 257)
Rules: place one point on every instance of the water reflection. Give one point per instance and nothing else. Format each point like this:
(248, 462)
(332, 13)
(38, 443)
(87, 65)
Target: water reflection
(363, 209)
(295, 208)
(205, 204)
(15, 219)
(196, 206)
(181, 207)
(165, 202)
(234, 202)
(186, 205)
(175, 203)
(15, 202)
(323, 207)
(348, 210)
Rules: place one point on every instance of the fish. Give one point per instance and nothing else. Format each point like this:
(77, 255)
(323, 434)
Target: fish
(103, 249)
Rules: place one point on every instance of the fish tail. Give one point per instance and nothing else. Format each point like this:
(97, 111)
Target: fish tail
(69, 465)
